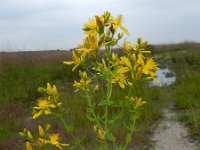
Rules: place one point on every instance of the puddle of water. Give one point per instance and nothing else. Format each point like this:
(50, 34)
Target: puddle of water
(164, 77)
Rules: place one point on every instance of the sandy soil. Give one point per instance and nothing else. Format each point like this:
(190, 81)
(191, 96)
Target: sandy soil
(172, 135)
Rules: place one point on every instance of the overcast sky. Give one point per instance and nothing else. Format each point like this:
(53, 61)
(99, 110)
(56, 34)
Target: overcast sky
(57, 24)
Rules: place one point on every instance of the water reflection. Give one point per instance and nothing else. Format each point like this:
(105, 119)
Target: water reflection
(164, 76)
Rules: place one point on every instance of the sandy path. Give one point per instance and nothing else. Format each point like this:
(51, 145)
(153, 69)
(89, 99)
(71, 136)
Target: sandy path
(171, 135)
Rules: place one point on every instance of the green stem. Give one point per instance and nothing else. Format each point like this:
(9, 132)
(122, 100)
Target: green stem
(66, 128)
(109, 93)
(93, 113)
(131, 132)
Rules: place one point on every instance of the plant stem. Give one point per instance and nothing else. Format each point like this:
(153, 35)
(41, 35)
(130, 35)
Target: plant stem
(66, 129)
(131, 132)
(93, 113)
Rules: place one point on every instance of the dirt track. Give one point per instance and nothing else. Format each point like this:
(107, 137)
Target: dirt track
(171, 134)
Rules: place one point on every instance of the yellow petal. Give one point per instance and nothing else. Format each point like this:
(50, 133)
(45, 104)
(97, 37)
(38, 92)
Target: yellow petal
(126, 61)
(124, 30)
(121, 84)
(41, 131)
(28, 146)
(37, 114)
(47, 112)
(123, 70)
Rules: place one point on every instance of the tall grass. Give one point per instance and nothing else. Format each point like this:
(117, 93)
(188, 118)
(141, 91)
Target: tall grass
(21, 73)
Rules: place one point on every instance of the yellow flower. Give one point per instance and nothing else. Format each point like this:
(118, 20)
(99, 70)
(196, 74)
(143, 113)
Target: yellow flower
(139, 73)
(84, 82)
(137, 101)
(28, 146)
(90, 27)
(77, 60)
(150, 67)
(126, 61)
(118, 24)
(43, 106)
(120, 79)
(101, 135)
(54, 140)
(140, 60)
(90, 44)
(52, 90)
(115, 60)
(126, 47)
(122, 70)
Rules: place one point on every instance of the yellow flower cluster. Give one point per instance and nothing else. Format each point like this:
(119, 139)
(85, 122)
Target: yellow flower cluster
(84, 82)
(103, 70)
(99, 32)
(44, 138)
(124, 70)
(46, 104)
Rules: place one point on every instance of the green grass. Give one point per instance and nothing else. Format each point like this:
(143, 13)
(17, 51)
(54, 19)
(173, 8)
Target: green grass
(187, 98)
(18, 92)
(184, 59)
(19, 83)
(186, 93)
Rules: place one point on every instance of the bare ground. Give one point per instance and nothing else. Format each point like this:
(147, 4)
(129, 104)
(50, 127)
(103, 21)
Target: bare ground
(171, 134)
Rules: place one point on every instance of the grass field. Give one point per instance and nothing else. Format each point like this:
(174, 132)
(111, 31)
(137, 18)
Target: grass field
(21, 73)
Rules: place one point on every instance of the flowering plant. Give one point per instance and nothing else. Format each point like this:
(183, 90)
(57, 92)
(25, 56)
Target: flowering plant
(100, 72)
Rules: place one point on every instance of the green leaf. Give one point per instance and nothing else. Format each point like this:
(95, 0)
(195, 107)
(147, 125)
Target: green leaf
(42, 90)
(47, 127)
(116, 117)
(76, 142)
(91, 118)
(89, 109)
(110, 137)
(105, 102)
(70, 128)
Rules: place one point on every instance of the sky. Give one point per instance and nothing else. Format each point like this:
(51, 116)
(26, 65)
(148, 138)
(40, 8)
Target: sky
(57, 24)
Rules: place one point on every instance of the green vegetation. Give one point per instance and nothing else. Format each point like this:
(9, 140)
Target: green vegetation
(187, 88)
(19, 82)
(20, 78)
(184, 60)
